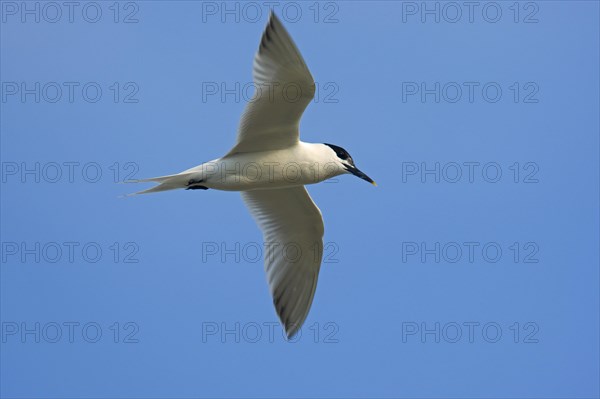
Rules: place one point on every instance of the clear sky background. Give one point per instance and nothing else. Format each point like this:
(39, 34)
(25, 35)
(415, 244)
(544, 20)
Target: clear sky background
(404, 308)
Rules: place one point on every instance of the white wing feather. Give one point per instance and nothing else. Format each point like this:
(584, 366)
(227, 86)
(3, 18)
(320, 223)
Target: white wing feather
(284, 87)
(292, 227)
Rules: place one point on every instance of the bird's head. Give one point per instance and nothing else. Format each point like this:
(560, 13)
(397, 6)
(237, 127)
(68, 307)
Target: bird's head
(346, 163)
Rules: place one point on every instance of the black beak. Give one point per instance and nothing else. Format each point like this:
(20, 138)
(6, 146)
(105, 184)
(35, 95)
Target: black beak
(354, 170)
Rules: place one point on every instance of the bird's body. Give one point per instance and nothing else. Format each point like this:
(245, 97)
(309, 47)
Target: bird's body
(298, 165)
(270, 166)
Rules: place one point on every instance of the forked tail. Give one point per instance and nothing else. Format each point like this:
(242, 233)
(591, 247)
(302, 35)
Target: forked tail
(187, 180)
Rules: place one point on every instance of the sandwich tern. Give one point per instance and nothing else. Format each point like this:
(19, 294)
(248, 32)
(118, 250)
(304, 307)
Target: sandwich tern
(270, 166)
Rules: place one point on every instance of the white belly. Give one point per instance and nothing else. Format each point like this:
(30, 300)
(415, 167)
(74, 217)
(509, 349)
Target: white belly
(266, 170)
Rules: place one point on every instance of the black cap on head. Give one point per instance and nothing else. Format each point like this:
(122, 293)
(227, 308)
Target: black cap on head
(341, 153)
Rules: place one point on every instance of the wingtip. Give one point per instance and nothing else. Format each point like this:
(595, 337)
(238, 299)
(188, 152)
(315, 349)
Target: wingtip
(291, 331)
(273, 19)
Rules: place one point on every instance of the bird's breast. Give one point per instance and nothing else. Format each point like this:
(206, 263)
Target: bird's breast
(265, 170)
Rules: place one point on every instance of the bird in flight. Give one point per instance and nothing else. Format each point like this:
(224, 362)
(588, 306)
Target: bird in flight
(270, 166)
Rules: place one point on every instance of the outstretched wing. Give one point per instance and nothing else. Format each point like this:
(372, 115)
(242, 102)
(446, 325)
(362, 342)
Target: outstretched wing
(292, 227)
(284, 88)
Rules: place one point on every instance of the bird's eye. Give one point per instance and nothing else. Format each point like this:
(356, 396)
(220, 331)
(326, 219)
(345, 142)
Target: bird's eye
(342, 154)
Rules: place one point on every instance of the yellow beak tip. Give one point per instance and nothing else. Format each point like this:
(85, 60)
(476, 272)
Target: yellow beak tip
(375, 184)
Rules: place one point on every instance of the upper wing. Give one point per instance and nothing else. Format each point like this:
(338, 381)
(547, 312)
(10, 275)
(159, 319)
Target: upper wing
(293, 233)
(284, 88)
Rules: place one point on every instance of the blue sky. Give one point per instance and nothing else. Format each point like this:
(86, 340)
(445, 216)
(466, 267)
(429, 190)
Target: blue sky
(471, 271)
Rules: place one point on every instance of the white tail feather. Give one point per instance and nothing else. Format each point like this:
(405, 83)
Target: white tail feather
(166, 183)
